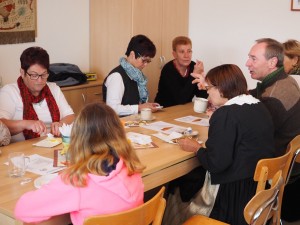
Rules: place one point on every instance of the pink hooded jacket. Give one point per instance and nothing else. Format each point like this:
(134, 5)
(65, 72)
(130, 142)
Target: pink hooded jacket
(103, 195)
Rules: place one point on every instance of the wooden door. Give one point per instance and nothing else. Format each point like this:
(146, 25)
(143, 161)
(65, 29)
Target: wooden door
(110, 32)
(161, 21)
(114, 22)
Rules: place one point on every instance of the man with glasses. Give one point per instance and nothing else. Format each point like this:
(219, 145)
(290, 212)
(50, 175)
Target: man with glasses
(125, 87)
(32, 107)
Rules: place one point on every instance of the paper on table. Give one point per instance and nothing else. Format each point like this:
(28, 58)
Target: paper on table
(41, 165)
(48, 142)
(140, 141)
(168, 138)
(194, 120)
(139, 138)
(164, 127)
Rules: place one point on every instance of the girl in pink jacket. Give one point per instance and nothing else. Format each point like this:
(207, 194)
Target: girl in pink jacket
(104, 175)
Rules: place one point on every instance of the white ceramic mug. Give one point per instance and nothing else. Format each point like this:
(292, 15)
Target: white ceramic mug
(17, 164)
(200, 105)
(146, 114)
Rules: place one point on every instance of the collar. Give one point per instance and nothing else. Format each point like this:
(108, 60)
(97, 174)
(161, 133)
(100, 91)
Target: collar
(242, 99)
(270, 79)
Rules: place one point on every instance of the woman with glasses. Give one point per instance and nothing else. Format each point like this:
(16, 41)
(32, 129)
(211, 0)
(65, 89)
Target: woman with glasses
(240, 134)
(175, 84)
(32, 107)
(125, 88)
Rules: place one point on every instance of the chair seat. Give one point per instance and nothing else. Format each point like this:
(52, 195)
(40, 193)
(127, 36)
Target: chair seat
(202, 220)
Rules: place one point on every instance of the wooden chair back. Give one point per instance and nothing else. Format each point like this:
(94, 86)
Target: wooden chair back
(150, 212)
(294, 149)
(267, 168)
(263, 205)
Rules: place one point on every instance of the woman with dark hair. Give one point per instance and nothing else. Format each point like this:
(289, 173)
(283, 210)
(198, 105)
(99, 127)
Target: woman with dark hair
(103, 176)
(32, 106)
(125, 87)
(240, 134)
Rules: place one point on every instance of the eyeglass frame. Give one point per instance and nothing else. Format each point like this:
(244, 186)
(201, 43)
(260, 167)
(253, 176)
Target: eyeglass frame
(144, 61)
(37, 76)
(207, 87)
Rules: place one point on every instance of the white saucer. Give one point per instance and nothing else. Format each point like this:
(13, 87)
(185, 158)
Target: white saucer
(45, 179)
(152, 118)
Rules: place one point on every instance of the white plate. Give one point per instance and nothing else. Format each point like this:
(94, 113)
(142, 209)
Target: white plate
(45, 179)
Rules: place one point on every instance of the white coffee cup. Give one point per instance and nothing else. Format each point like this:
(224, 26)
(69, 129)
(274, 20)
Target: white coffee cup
(200, 105)
(17, 164)
(146, 114)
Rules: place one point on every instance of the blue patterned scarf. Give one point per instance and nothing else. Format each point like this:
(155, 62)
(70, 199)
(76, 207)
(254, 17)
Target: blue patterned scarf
(136, 75)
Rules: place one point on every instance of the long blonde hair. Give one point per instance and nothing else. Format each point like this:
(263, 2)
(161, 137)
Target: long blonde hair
(96, 132)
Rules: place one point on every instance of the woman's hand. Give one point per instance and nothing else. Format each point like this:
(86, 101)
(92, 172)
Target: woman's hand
(199, 80)
(37, 126)
(55, 128)
(189, 145)
(199, 67)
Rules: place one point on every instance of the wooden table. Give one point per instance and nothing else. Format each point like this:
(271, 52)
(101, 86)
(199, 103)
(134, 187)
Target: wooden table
(163, 164)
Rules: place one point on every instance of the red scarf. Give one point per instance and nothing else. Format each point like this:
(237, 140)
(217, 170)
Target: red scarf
(28, 110)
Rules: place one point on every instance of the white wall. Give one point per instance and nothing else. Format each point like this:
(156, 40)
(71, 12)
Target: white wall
(221, 31)
(224, 31)
(63, 30)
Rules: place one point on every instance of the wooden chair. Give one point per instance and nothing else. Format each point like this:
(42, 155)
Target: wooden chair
(258, 209)
(265, 203)
(203, 220)
(150, 212)
(294, 148)
(265, 170)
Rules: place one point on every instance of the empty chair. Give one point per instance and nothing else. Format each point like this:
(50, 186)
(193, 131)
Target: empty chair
(150, 212)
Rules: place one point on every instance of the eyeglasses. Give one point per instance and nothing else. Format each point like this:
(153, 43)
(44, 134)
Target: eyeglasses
(209, 87)
(35, 76)
(144, 60)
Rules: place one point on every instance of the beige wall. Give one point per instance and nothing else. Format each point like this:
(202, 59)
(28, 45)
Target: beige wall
(222, 32)
(63, 30)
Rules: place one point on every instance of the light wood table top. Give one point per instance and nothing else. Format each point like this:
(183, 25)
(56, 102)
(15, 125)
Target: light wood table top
(163, 164)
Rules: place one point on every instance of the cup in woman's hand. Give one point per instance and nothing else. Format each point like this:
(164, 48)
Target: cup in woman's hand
(200, 105)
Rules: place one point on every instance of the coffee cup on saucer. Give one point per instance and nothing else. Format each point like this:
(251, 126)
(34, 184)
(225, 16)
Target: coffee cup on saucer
(146, 114)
